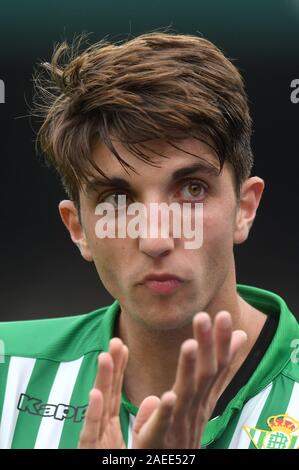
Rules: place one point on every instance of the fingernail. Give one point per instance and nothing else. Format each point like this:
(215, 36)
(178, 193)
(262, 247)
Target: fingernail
(226, 322)
(205, 324)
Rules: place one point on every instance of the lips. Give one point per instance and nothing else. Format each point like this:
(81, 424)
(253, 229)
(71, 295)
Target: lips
(162, 284)
(161, 278)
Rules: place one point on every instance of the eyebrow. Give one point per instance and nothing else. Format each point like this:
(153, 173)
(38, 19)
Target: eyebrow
(121, 183)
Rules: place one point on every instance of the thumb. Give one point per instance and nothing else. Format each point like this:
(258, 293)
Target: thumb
(146, 409)
(153, 421)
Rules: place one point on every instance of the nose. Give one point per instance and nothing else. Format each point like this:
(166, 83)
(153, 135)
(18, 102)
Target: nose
(156, 247)
(157, 239)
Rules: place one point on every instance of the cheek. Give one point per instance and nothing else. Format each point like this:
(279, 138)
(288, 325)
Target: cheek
(108, 253)
(111, 258)
(218, 235)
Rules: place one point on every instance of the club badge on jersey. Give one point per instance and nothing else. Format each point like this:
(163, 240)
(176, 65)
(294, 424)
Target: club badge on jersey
(282, 435)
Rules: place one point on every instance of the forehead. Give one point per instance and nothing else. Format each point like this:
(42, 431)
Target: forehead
(165, 158)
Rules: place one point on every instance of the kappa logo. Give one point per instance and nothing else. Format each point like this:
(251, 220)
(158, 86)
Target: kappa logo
(35, 406)
(282, 435)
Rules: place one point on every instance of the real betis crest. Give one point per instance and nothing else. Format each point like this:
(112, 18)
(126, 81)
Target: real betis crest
(281, 435)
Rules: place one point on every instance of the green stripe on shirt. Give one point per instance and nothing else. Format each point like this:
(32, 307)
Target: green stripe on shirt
(39, 387)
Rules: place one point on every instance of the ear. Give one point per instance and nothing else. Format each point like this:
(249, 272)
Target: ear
(70, 218)
(250, 195)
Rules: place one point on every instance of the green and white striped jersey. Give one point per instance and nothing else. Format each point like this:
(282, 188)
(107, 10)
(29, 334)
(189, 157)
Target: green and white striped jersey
(49, 366)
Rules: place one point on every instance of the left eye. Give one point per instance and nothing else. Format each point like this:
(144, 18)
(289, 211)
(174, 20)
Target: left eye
(194, 189)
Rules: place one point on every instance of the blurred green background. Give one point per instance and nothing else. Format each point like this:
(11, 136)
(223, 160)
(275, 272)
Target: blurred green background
(251, 27)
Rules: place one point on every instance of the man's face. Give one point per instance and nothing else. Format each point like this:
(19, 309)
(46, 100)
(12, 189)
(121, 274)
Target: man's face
(122, 263)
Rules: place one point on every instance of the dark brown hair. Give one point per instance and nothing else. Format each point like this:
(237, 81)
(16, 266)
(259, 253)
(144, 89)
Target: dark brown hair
(155, 86)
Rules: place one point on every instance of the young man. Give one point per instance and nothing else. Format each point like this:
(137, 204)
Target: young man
(201, 361)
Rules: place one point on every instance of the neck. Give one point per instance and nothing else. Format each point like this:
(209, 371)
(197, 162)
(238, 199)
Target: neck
(154, 354)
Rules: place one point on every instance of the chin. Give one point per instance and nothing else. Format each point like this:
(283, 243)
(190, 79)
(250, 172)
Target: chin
(166, 323)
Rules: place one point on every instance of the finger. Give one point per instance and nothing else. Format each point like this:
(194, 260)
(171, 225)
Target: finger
(206, 357)
(153, 433)
(119, 384)
(213, 351)
(91, 428)
(185, 382)
(119, 354)
(103, 383)
(147, 407)
(238, 341)
(223, 336)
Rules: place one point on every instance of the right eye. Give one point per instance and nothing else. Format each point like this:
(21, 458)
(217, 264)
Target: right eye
(113, 198)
